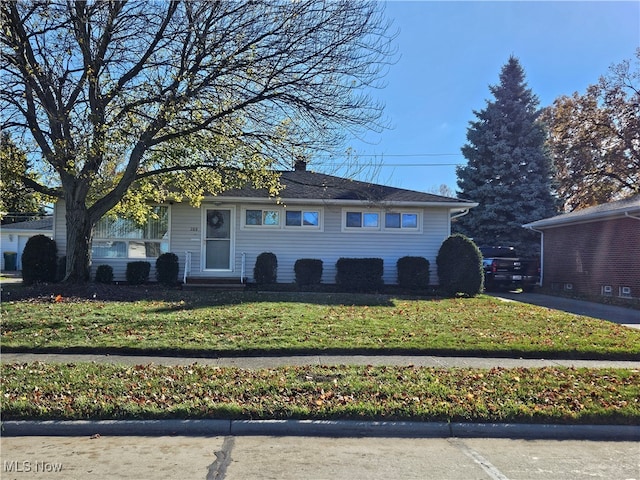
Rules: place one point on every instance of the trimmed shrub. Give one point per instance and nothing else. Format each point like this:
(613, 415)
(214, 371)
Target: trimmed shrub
(460, 266)
(266, 268)
(104, 274)
(138, 272)
(167, 269)
(308, 271)
(39, 260)
(359, 274)
(413, 272)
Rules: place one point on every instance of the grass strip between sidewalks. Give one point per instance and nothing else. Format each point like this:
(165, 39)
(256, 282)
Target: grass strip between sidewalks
(39, 391)
(191, 323)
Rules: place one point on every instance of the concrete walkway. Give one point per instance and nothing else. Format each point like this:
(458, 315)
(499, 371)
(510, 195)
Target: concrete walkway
(331, 360)
(319, 428)
(611, 313)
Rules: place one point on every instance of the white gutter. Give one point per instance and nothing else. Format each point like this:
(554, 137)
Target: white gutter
(461, 214)
(366, 202)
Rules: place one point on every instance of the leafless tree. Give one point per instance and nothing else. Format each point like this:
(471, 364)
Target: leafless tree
(113, 93)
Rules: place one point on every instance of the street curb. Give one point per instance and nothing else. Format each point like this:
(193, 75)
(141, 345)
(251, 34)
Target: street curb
(318, 428)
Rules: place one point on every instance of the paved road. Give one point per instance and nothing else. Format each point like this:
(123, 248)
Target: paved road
(624, 316)
(247, 457)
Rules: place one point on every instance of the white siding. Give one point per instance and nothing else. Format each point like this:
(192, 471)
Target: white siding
(328, 244)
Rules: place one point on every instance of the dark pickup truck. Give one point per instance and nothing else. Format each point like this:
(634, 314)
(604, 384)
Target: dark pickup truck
(504, 269)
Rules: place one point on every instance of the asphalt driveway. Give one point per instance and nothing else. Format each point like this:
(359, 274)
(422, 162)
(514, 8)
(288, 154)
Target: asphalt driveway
(624, 316)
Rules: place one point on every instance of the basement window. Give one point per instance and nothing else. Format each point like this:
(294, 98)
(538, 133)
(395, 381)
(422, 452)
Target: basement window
(625, 292)
(606, 290)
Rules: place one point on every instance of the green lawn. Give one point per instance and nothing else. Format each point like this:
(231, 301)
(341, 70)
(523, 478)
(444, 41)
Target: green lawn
(194, 323)
(276, 323)
(537, 395)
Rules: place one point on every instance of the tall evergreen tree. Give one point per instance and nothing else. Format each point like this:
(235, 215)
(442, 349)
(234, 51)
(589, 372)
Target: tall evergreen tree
(509, 170)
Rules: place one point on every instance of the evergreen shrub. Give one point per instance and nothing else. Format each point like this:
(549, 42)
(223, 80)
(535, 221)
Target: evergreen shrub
(359, 274)
(459, 264)
(265, 270)
(104, 274)
(308, 271)
(39, 260)
(167, 268)
(413, 272)
(138, 272)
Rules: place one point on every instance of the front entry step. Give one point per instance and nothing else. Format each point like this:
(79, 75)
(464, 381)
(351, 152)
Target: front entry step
(214, 283)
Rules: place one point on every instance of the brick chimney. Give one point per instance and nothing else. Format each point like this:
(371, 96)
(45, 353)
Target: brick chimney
(300, 165)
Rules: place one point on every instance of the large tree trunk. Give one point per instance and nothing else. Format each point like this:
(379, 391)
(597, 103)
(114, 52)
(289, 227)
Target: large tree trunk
(79, 232)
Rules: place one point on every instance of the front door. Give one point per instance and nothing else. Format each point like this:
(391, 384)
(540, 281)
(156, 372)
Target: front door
(218, 239)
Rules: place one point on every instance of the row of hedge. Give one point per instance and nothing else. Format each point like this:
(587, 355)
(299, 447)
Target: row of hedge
(353, 274)
(459, 264)
(137, 273)
(40, 264)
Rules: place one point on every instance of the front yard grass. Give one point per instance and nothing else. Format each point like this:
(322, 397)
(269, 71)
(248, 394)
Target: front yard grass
(39, 391)
(248, 323)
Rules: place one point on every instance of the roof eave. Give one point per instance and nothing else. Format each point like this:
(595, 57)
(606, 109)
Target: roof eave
(588, 218)
(458, 205)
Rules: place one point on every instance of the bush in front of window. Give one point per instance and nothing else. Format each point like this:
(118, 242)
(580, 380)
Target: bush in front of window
(359, 274)
(266, 268)
(104, 274)
(39, 260)
(308, 271)
(460, 266)
(138, 272)
(167, 269)
(413, 272)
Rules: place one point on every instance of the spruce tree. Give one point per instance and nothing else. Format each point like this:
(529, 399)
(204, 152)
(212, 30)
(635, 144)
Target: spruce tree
(509, 170)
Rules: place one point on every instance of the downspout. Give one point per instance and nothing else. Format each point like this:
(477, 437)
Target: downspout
(461, 214)
(626, 214)
(541, 253)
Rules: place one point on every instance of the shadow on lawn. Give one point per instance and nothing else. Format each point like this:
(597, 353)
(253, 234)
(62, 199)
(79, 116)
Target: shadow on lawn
(175, 298)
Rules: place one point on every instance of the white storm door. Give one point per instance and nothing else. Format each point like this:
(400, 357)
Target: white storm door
(218, 235)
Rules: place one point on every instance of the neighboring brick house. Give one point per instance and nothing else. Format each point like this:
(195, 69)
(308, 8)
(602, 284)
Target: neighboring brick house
(594, 251)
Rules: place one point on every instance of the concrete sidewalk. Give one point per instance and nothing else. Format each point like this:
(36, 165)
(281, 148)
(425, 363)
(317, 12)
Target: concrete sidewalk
(319, 428)
(330, 360)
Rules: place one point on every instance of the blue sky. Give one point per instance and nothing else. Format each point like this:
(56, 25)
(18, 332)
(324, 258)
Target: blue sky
(450, 52)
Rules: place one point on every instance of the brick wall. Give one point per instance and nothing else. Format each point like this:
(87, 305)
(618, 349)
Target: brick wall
(590, 255)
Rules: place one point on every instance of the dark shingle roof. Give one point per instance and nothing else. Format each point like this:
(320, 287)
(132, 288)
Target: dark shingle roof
(307, 185)
(42, 224)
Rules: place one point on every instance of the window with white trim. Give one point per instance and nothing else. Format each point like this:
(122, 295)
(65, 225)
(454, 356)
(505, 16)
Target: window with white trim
(262, 218)
(362, 219)
(117, 237)
(302, 218)
(392, 221)
(401, 220)
(282, 218)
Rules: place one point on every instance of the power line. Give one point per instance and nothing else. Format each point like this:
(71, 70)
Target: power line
(394, 155)
(388, 165)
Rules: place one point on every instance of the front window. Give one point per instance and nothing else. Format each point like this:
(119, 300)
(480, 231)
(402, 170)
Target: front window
(267, 218)
(363, 220)
(389, 222)
(117, 237)
(401, 220)
(302, 218)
